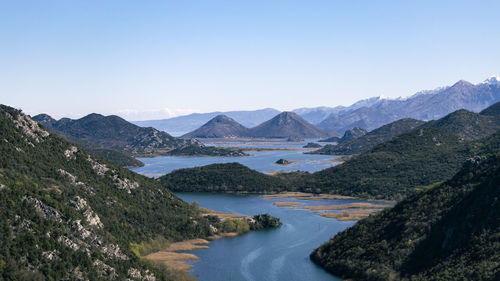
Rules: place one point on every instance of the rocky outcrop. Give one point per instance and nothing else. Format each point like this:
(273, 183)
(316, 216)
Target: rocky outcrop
(100, 169)
(70, 153)
(44, 210)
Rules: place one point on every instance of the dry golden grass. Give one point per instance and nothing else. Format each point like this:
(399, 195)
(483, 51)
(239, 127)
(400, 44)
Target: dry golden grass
(304, 196)
(350, 215)
(361, 205)
(172, 259)
(282, 203)
(223, 216)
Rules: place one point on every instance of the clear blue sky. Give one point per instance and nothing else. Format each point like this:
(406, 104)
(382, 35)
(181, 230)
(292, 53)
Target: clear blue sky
(72, 57)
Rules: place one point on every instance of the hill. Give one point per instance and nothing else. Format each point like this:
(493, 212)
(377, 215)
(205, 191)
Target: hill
(371, 139)
(352, 134)
(230, 177)
(468, 125)
(393, 169)
(288, 125)
(69, 215)
(426, 105)
(98, 132)
(221, 126)
(187, 123)
(446, 232)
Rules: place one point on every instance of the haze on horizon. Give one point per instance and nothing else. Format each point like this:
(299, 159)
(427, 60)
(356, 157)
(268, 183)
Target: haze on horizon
(157, 59)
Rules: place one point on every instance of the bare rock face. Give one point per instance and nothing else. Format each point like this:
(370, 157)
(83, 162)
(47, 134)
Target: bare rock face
(75, 182)
(99, 168)
(105, 271)
(29, 127)
(114, 251)
(70, 153)
(125, 183)
(90, 216)
(51, 255)
(44, 210)
(137, 274)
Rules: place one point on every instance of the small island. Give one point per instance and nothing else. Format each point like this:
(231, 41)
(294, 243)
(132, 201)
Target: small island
(312, 145)
(283, 162)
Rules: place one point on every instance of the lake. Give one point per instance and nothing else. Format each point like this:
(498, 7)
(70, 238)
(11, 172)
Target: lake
(262, 161)
(276, 254)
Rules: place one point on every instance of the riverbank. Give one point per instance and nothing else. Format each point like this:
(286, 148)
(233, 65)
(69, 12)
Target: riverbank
(174, 256)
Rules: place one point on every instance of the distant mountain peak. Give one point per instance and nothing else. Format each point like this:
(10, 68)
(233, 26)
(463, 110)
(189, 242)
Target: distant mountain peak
(462, 83)
(222, 118)
(492, 80)
(221, 126)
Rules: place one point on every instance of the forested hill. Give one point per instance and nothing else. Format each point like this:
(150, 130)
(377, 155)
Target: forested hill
(371, 139)
(446, 232)
(68, 215)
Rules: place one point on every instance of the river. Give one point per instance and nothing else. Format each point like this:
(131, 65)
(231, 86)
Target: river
(276, 254)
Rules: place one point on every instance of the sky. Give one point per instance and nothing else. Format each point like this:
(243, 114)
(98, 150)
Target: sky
(157, 59)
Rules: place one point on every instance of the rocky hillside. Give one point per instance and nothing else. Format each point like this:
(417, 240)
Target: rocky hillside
(371, 139)
(422, 106)
(288, 125)
(446, 232)
(69, 215)
(221, 126)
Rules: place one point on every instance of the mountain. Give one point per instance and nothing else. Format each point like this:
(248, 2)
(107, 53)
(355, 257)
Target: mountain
(448, 231)
(69, 215)
(183, 124)
(393, 169)
(288, 125)
(468, 124)
(96, 131)
(315, 115)
(422, 106)
(352, 134)
(371, 139)
(221, 126)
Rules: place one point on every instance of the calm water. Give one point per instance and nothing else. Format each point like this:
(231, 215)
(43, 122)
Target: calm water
(277, 254)
(262, 161)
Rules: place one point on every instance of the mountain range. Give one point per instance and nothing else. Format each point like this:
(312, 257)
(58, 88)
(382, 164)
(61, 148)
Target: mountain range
(187, 123)
(424, 154)
(110, 136)
(368, 114)
(284, 125)
(422, 106)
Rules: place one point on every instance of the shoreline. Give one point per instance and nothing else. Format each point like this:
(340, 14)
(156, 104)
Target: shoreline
(174, 257)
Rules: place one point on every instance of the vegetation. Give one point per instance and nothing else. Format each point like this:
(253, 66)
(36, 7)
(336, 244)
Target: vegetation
(264, 221)
(447, 231)
(67, 214)
(365, 142)
(391, 170)
(206, 150)
(119, 141)
(230, 177)
(116, 157)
